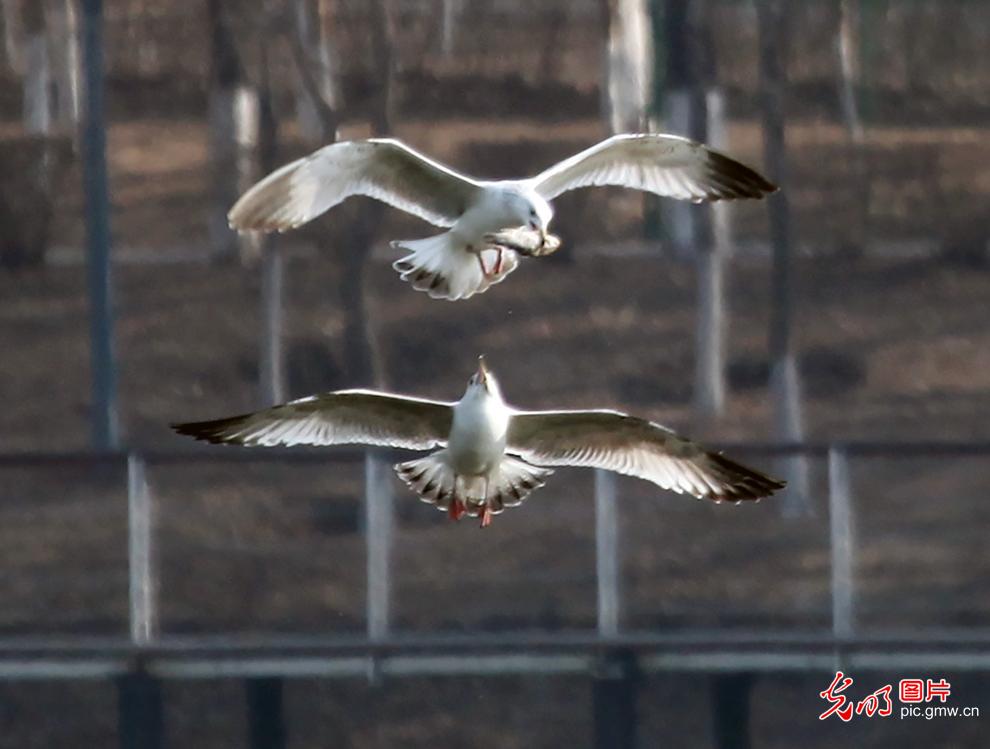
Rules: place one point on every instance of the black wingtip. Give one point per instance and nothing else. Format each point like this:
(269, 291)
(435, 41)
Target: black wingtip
(745, 483)
(207, 431)
(193, 429)
(734, 180)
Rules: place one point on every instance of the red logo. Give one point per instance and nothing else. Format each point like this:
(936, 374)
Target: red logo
(871, 704)
(938, 689)
(840, 705)
(909, 691)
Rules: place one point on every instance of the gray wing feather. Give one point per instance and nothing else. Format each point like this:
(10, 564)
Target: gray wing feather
(636, 447)
(666, 165)
(342, 417)
(380, 168)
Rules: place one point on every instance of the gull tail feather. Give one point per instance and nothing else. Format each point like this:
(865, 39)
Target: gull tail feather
(432, 478)
(445, 268)
(512, 483)
(434, 481)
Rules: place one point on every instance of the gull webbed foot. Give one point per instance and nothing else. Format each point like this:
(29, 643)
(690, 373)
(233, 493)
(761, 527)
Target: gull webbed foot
(496, 271)
(498, 262)
(457, 509)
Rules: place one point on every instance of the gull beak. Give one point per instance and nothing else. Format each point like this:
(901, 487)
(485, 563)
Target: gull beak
(482, 370)
(541, 230)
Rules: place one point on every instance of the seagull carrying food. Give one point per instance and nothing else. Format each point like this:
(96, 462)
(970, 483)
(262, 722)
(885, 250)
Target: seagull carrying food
(462, 261)
(492, 455)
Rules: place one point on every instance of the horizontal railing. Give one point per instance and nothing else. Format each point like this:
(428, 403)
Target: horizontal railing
(515, 652)
(399, 653)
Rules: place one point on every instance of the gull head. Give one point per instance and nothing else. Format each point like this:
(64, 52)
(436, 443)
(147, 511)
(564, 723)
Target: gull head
(531, 210)
(483, 382)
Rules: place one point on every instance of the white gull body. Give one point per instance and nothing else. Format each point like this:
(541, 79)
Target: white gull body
(479, 430)
(491, 455)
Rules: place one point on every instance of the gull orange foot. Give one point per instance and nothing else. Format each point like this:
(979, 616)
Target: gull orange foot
(457, 509)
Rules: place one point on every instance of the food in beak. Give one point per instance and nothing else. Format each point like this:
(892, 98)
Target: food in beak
(525, 241)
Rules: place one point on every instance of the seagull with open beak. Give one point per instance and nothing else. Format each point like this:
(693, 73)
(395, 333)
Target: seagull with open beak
(478, 435)
(492, 455)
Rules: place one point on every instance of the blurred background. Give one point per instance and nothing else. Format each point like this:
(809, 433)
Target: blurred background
(155, 594)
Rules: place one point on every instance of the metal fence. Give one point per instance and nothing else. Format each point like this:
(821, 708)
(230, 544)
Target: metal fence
(611, 655)
(378, 525)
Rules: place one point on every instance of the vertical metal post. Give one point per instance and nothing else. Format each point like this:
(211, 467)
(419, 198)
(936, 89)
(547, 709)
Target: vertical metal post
(772, 17)
(452, 10)
(785, 384)
(713, 244)
(140, 719)
(718, 137)
(653, 227)
(65, 21)
(272, 356)
(730, 710)
(37, 99)
(846, 49)
(378, 537)
(709, 349)
(613, 694)
(841, 530)
(266, 713)
(871, 19)
(95, 189)
(272, 369)
(677, 215)
(607, 553)
(141, 573)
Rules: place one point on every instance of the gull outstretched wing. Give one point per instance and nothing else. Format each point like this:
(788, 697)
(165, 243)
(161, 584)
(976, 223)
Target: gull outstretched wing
(380, 168)
(667, 165)
(635, 447)
(338, 418)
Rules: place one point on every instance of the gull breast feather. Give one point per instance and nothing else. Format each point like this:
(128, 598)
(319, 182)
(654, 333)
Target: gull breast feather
(341, 417)
(636, 447)
(667, 165)
(380, 168)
